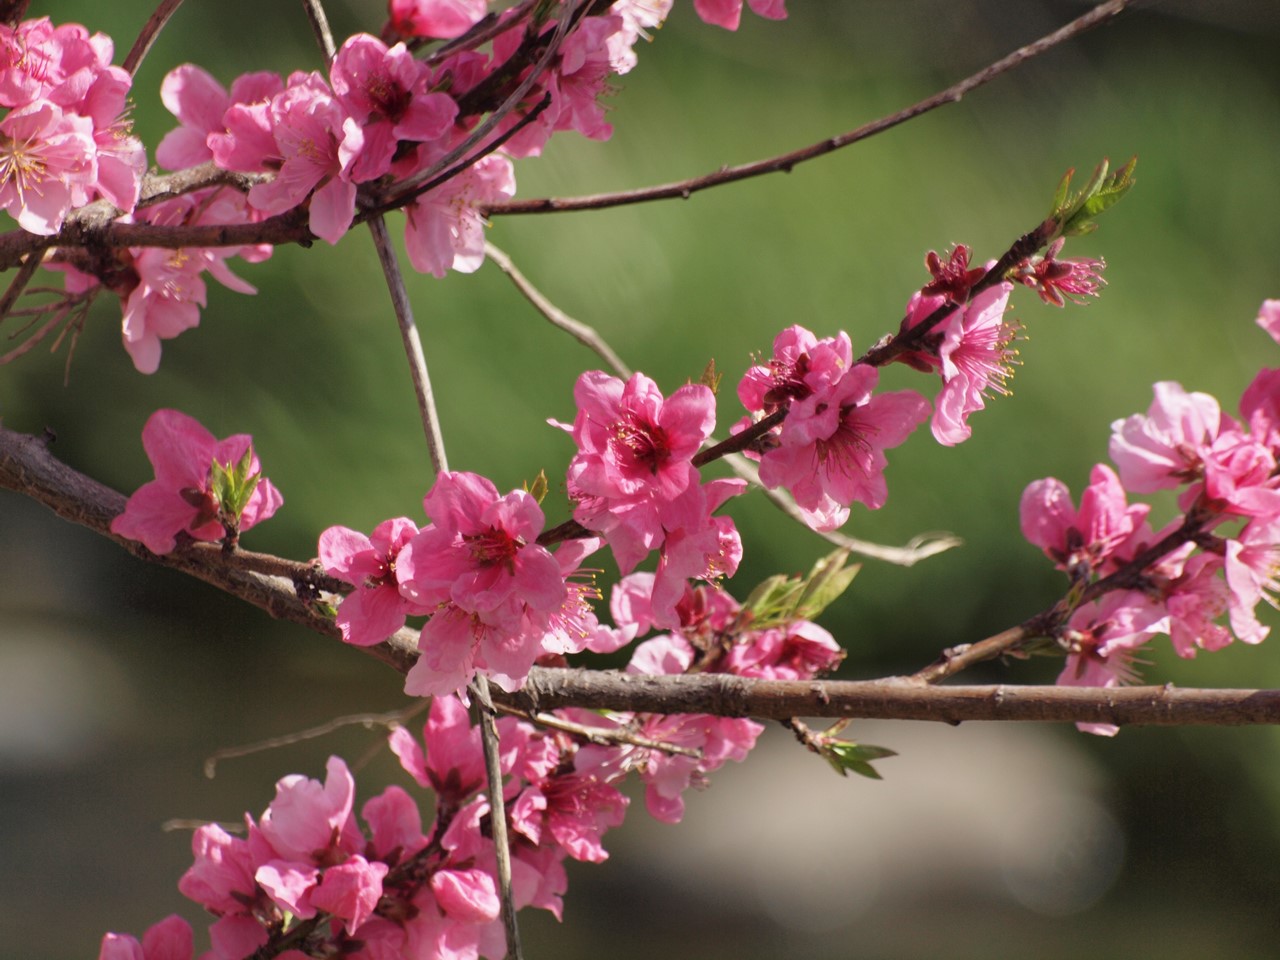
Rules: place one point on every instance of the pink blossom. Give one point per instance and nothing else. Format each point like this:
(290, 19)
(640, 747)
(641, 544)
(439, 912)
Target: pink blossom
(453, 765)
(1253, 574)
(798, 651)
(221, 877)
(727, 13)
(350, 890)
(975, 356)
(311, 823)
(468, 896)
(1101, 638)
(1057, 281)
(445, 230)
(181, 499)
(1269, 318)
(317, 143)
(395, 824)
(481, 552)
(170, 939)
(703, 546)
(443, 19)
(1079, 542)
(1165, 447)
(375, 609)
(574, 809)
(384, 90)
(832, 445)
(48, 162)
(1199, 597)
(801, 365)
(634, 458)
(200, 103)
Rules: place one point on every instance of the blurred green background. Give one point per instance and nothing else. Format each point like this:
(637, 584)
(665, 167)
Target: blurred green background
(116, 679)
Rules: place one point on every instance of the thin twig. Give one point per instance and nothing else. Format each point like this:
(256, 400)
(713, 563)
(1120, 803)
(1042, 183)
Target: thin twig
(320, 27)
(366, 720)
(412, 343)
(150, 30)
(495, 117)
(784, 163)
(583, 333)
(482, 32)
(603, 736)
(19, 283)
(497, 811)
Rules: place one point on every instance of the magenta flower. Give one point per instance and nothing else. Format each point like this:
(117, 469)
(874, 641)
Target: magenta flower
(1079, 542)
(728, 13)
(385, 92)
(1199, 598)
(375, 609)
(311, 822)
(634, 459)
(182, 498)
(1057, 281)
(452, 764)
(798, 651)
(801, 365)
(170, 939)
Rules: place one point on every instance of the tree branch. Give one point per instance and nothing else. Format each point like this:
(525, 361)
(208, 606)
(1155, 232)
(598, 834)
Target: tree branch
(27, 466)
(783, 163)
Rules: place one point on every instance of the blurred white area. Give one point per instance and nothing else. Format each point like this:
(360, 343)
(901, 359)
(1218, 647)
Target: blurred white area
(999, 813)
(62, 696)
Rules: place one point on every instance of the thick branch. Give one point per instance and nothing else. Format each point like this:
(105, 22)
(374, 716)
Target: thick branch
(27, 467)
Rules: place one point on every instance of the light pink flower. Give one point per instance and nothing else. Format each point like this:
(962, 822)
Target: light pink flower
(1101, 639)
(444, 229)
(801, 365)
(1200, 597)
(452, 765)
(350, 890)
(1253, 574)
(1269, 318)
(975, 357)
(395, 824)
(48, 163)
(442, 19)
(317, 142)
(181, 499)
(312, 823)
(1165, 447)
(221, 877)
(200, 103)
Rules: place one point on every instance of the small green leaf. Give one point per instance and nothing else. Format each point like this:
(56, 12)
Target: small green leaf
(845, 756)
(828, 579)
(710, 378)
(1076, 215)
(781, 599)
(538, 489)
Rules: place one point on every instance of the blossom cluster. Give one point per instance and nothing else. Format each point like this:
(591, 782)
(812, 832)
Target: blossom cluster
(308, 873)
(379, 123)
(65, 140)
(1219, 557)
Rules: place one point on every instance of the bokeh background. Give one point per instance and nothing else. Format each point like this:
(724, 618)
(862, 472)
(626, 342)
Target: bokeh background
(116, 680)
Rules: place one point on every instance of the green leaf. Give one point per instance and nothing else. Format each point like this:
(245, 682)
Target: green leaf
(234, 485)
(1076, 215)
(845, 756)
(710, 378)
(538, 489)
(780, 599)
